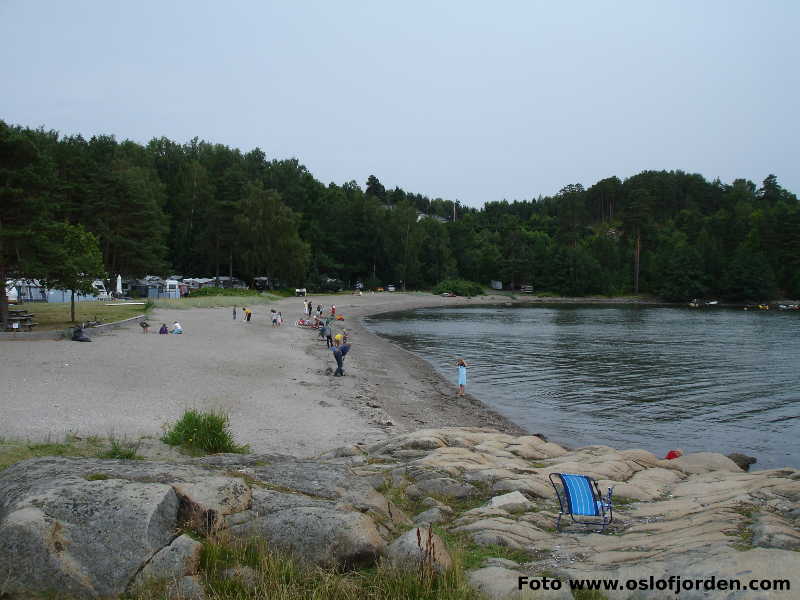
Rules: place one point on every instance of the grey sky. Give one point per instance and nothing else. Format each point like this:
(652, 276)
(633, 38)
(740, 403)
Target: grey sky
(475, 101)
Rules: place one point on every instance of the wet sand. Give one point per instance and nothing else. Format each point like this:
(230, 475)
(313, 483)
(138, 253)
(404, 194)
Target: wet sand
(275, 383)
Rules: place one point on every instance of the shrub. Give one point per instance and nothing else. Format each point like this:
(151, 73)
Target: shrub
(203, 432)
(459, 287)
(216, 291)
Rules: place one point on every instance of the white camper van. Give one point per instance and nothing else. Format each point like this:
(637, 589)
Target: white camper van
(100, 290)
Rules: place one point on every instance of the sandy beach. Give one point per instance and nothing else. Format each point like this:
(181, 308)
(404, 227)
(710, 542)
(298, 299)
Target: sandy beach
(275, 383)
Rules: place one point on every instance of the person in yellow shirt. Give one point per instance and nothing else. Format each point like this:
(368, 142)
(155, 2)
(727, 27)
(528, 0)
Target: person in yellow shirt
(338, 339)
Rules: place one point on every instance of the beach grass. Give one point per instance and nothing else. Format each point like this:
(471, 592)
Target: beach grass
(56, 315)
(199, 433)
(249, 569)
(14, 451)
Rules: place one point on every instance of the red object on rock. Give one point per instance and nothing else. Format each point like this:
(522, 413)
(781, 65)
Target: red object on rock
(673, 454)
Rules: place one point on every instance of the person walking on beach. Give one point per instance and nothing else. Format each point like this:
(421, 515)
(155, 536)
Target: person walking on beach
(326, 333)
(234, 312)
(274, 317)
(280, 318)
(249, 315)
(462, 375)
(244, 313)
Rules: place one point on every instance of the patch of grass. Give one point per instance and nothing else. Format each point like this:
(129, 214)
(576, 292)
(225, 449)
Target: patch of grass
(97, 477)
(56, 315)
(121, 451)
(203, 433)
(474, 555)
(12, 452)
(623, 500)
(277, 575)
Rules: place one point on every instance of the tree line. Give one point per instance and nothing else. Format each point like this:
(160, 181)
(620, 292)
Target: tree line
(206, 209)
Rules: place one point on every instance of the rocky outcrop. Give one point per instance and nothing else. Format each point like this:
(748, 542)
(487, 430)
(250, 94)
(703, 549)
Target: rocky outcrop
(699, 514)
(420, 548)
(96, 528)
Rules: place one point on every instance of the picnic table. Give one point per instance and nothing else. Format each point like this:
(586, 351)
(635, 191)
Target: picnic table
(20, 319)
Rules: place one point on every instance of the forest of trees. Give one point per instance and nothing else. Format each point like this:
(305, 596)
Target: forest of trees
(203, 209)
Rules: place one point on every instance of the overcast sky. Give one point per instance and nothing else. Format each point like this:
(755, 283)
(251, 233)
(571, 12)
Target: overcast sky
(475, 101)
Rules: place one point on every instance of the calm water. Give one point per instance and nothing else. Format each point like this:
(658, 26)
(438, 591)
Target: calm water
(626, 376)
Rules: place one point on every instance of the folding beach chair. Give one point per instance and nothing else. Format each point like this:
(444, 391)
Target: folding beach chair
(580, 497)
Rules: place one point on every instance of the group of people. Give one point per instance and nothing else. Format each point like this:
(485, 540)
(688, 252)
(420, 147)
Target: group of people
(163, 330)
(308, 309)
(247, 314)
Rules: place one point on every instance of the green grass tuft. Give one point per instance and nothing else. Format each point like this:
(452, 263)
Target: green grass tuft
(121, 451)
(97, 477)
(203, 433)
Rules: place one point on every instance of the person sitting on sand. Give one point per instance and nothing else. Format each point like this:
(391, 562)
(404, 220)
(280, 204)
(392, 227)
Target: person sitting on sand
(176, 328)
(462, 375)
(163, 329)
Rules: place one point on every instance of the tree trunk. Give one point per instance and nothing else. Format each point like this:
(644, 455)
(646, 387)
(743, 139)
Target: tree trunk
(216, 261)
(636, 253)
(72, 307)
(3, 300)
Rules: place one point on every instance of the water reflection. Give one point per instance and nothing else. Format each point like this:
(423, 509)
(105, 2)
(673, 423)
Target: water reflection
(627, 376)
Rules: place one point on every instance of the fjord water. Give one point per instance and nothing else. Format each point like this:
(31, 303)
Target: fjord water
(649, 377)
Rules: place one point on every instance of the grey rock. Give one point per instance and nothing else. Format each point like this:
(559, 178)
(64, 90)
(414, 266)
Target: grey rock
(433, 502)
(498, 583)
(704, 462)
(59, 531)
(512, 502)
(186, 588)
(500, 562)
(447, 487)
(432, 516)
(743, 460)
(307, 477)
(417, 546)
(770, 531)
(319, 534)
(180, 558)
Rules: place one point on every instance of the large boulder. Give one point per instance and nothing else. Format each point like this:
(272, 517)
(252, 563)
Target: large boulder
(705, 462)
(60, 531)
(320, 534)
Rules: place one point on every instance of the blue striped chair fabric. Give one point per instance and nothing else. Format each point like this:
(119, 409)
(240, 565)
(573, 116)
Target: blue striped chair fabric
(580, 495)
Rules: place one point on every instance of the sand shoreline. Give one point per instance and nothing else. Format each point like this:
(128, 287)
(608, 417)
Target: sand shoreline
(275, 384)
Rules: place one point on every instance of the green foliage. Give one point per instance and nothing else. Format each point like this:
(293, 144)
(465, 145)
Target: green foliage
(203, 433)
(97, 477)
(200, 208)
(216, 291)
(278, 575)
(12, 452)
(459, 287)
(122, 451)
